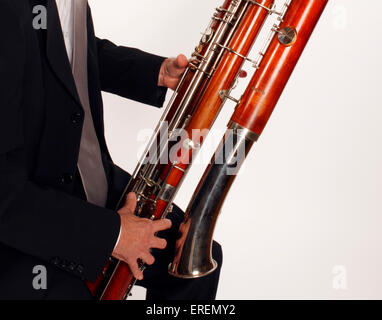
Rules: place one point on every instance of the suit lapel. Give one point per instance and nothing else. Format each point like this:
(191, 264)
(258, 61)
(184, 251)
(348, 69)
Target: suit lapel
(56, 50)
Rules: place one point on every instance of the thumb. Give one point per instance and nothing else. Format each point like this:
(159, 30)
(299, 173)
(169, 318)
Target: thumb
(176, 66)
(130, 203)
(181, 61)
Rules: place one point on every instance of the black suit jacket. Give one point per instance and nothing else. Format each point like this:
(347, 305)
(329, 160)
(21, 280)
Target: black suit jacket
(44, 219)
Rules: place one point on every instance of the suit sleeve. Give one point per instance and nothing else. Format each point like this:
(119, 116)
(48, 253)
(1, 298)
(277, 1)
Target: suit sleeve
(130, 73)
(45, 223)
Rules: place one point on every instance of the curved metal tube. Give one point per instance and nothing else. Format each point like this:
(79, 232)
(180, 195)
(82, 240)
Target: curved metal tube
(193, 255)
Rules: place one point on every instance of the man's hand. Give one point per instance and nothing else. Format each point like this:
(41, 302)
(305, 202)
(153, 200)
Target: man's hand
(138, 237)
(171, 71)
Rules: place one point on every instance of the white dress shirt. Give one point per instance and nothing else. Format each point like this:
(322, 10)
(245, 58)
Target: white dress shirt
(65, 11)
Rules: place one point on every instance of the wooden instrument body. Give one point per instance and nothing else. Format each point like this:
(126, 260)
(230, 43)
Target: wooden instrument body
(194, 247)
(268, 83)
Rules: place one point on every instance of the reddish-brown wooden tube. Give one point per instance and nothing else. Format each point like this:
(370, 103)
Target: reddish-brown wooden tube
(223, 78)
(190, 73)
(268, 83)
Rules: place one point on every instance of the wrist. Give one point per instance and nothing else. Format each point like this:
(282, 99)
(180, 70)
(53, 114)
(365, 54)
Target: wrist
(119, 237)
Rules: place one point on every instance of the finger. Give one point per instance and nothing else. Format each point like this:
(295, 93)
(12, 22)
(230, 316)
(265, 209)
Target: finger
(162, 224)
(176, 67)
(182, 227)
(130, 202)
(158, 243)
(147, 258)
(181, 61)
(137, 273)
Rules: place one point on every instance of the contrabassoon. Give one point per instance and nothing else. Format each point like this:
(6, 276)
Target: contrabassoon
(213, 70)
(286, 43)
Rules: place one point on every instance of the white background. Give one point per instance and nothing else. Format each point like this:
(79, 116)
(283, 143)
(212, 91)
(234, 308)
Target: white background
(308, 202)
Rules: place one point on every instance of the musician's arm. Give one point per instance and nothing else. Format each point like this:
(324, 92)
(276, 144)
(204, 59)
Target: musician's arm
(38, 221)
(130, 73)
